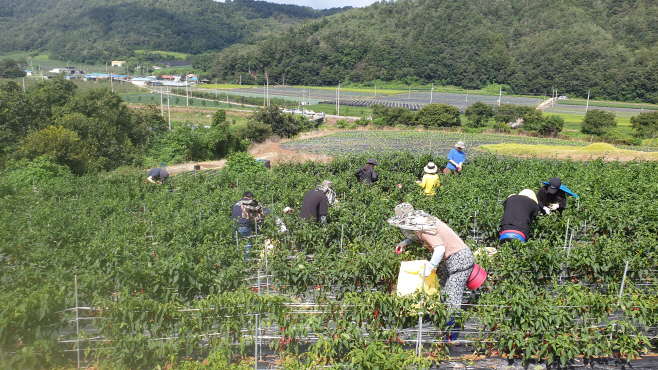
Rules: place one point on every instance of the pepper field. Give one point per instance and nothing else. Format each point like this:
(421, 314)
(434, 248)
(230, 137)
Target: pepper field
(104, 270)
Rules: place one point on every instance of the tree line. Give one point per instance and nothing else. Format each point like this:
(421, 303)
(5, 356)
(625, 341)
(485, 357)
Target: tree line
(604, 47)
(102, 30)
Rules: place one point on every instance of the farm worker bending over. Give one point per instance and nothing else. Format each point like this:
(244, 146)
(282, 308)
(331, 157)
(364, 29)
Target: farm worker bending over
(157, 174)
(446, 246)
(520, 211)
(244, 212)
(315, 205)
(367, 174)
(430, 180)
(456, 159)
(551, 197)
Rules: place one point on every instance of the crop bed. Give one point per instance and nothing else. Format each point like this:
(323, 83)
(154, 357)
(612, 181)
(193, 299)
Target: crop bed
(437, 143)
(104, 268)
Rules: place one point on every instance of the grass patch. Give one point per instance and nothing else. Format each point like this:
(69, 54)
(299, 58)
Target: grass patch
(597, 150)
(572, 126)
(177, 55)
(225, 86)
(609, 104)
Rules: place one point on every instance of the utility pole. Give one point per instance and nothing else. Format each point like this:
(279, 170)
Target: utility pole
(23, 85)
(240, 80)
(187, 96)
(338, 101)
(268, 91)
(587, 106)
(500, 95)
(161, 105)
(431, 93)
(409, 96)
(215, 89)
(467, 95)
(168, 109)
(112, 81)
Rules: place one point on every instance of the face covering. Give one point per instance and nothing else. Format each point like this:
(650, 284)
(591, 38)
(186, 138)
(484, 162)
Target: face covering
(410, 235)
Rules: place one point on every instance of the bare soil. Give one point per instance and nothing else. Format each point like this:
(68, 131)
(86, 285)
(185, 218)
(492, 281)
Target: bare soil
(269, 150)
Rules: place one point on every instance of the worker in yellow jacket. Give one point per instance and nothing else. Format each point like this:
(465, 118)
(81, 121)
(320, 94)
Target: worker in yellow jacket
(430, 180)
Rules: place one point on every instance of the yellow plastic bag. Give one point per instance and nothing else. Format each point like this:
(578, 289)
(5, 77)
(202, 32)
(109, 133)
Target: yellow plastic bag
(410, 281)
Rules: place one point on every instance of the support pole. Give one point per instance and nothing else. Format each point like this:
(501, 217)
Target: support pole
(419, 341)
(621, 290)
(77, 321)
(256, 336)
(566, 234)
(341, 238)
(623, 280)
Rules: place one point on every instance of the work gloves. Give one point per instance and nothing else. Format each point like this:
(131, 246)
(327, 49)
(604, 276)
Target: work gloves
(400, 247)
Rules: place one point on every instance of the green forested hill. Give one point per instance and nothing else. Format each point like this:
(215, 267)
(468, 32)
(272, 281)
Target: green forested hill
(88, 31)
(608, 46)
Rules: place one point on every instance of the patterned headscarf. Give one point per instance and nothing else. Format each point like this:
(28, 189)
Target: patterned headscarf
(417, 220)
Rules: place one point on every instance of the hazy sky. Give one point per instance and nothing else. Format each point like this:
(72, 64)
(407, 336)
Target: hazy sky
(327, 3)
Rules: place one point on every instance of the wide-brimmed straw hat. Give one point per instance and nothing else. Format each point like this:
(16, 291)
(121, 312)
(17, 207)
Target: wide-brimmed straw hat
(460, 144)
(403, 209)
(431, 168)
(529, 193)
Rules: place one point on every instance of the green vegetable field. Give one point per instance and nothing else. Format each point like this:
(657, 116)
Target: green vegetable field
(108, 271)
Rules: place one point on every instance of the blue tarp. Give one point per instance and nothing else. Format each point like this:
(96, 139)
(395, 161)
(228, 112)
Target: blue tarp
(564, 189)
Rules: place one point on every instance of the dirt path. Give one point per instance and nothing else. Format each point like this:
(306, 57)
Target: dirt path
(269, 150)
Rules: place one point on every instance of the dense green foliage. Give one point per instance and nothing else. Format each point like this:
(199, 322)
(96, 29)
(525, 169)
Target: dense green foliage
(183, 285)
(103, 30)
(438, 115)
(10, 68)
(598, 122)
(271, 120)
(94, 130)
(478, 114)
(607, 47)
(87, 131)
(645, 125)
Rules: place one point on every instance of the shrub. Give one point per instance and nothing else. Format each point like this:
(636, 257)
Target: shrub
(598, 122)
(62, 146)
(478, 114)
(438, 115)
(254, 131)
(511, 112)
(551, 126)
(391, 116)
(645, 125)
(284, 125)
(26, 172)
(244, 163)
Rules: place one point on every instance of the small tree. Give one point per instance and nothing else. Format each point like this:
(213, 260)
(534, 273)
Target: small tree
(511, 112)
(478, 114)
(598, 122)
(645, 125)
(551, 126)
(10, 68)
(438, 115)
(284, 125)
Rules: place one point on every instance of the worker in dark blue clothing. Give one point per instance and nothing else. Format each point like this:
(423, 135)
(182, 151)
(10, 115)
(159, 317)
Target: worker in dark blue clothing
(244, 212)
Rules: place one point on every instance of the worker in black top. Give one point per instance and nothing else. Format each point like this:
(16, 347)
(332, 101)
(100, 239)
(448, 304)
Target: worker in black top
(551, 197)
(520, 211)
(315, 205)
(157, 174)
(367, 174)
